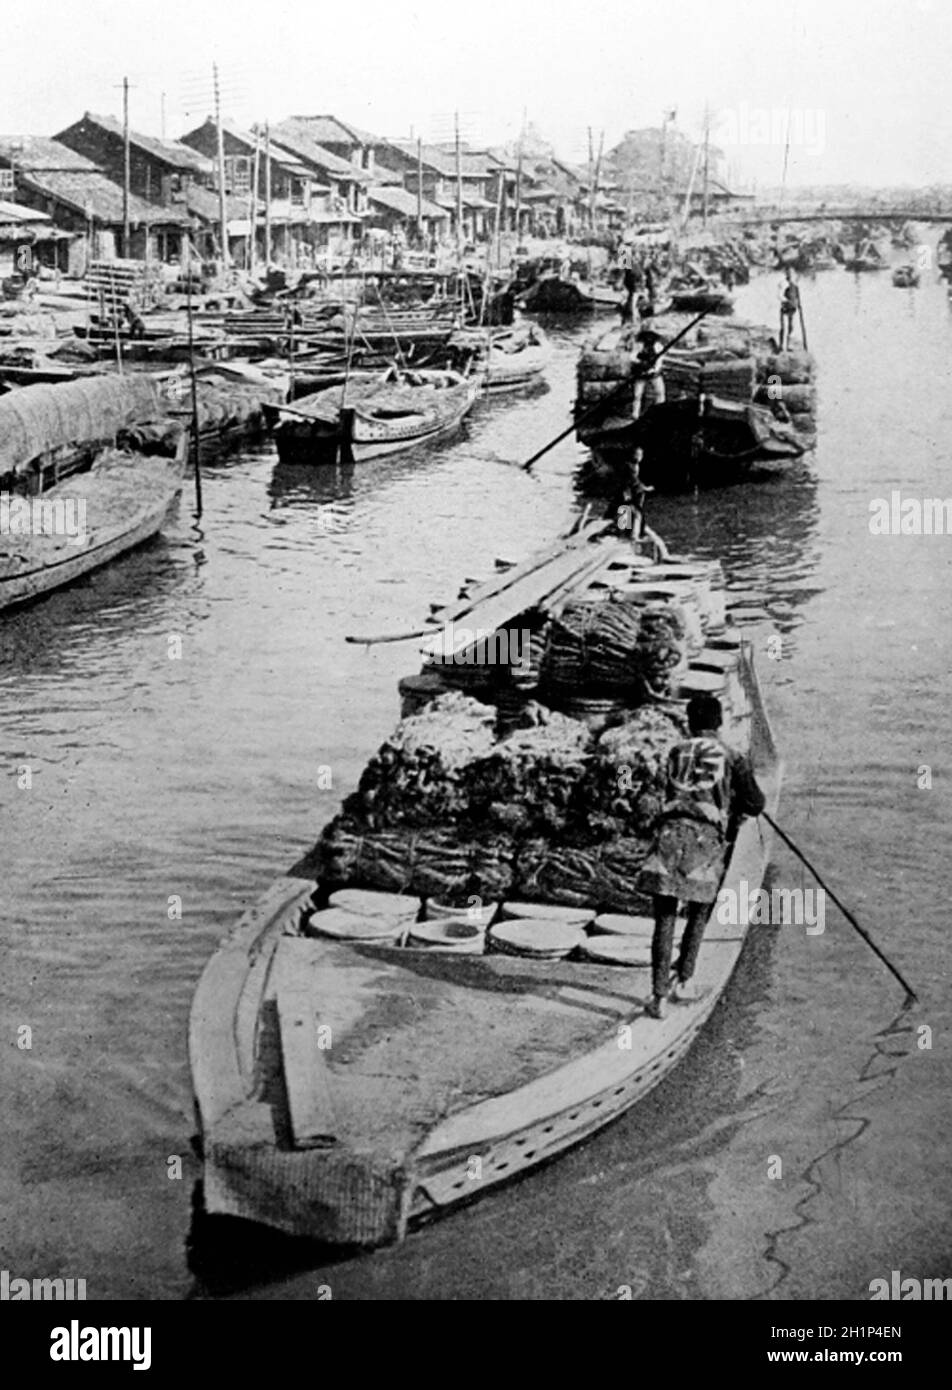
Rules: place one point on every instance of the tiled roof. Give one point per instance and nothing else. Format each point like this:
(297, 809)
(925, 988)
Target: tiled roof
(92, 194)
(16, 212)
(403, 201)
(328, 130)
(170, 152)
(39, 152)
(204, 203)
(443, 161)
(294, 135)
(279, 155)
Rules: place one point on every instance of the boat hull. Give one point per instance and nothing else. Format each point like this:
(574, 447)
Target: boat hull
(507, 1114)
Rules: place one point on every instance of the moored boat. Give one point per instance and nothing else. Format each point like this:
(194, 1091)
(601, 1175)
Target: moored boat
(364, 419)
(509, 358)
(88, 470)
(355, 1073)
(905, 277)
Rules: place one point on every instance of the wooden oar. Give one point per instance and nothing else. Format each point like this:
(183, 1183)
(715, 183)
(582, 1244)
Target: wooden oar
(600, 405)
(845, 911)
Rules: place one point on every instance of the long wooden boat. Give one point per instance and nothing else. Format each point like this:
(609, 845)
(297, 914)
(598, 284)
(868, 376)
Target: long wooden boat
(510, 359)
(346, 1091)
(695, 300)
(99, 450)
(370, 419)
(552, 294)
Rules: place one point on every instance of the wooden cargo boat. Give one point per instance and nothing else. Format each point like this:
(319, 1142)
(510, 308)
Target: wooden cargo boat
(510, 359)
(105, 444)
(345, 1091)
(369, 419)
(698, 299)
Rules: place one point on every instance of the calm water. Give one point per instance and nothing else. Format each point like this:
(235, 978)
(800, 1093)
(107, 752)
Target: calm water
(198, 777)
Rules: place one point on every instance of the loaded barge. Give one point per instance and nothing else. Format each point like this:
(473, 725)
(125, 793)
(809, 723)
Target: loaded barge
(448, 992)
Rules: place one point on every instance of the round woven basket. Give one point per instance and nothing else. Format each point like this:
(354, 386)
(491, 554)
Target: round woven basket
(449, 934)
(617, 950)
(621, 924)
(547, 912)
(536, 939)
(368, 902)
(350, 926)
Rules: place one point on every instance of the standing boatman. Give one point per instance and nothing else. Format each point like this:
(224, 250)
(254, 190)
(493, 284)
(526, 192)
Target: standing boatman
(709, 788)
(789, 306)
(648, 381)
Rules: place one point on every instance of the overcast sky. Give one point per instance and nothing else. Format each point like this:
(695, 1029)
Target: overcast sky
(864, 81)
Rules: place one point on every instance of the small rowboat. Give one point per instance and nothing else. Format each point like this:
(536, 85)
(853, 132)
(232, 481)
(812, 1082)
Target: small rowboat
(369, 419)
(347, 1089)
(905, 277)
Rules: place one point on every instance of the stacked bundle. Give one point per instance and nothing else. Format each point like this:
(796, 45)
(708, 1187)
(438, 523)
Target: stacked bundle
(682, 375)
(529, 783)
(584, 875)
(787, 386)
(619, 645)
(417, 776)
(731, 378)
(624, 784)
(426, 863)
(601, 371)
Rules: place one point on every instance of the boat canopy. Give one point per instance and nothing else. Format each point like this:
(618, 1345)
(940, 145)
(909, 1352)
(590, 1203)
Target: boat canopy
(38, 419)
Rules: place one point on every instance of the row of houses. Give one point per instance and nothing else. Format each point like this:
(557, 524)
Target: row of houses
(293, 192)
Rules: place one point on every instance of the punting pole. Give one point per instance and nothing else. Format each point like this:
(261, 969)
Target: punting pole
(845, 911)
(600, 405)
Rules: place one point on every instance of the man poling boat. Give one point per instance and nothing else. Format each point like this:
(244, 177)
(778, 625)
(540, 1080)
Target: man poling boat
(710, 787)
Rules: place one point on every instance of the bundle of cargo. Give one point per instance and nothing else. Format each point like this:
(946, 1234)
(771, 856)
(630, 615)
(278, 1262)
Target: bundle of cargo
(583, 874)
(624, 782)
(529, 783)
(427, 863)
(681, 372)
(616, 644)
(730, 378)
(416, 778)
(787, 386)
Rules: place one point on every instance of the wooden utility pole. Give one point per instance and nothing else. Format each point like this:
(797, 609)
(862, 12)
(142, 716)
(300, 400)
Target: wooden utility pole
(598, 171)
(267, 195)
(591, 182)
(222, 203)
(419, 187)
(125, 168)
(163, 115)
(459, 197)
(519, 183)
(253, 215)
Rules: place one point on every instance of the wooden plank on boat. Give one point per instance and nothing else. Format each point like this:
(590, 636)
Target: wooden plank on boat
(306, 1080)
(507, 601)
(221, 1074)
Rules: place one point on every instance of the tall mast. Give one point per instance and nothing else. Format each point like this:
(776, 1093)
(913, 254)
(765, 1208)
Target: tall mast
(125, 167)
